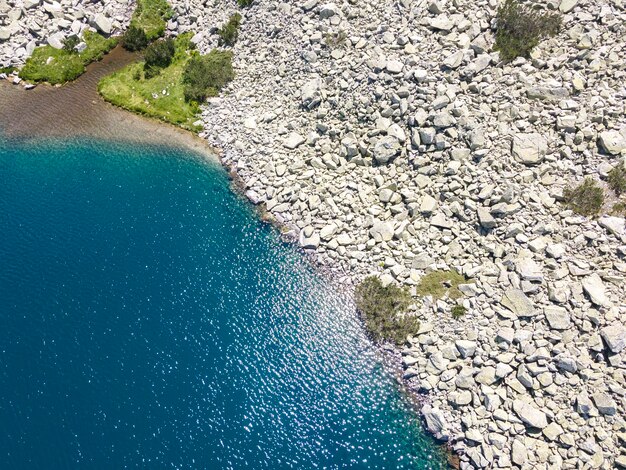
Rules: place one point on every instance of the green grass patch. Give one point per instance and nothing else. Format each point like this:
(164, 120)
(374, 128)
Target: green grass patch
(55, 66)
(7, 70)
(617, 179)
(458, 311)
(130, 89)
(585, 199)
(521, 27)
(383, 310)
(441, 283)
(151, 16)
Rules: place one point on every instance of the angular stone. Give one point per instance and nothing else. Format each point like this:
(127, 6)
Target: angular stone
(612, 142)
(382, 231)
(435, 421)
(530, 415)
(486, 376)
(518, 452)
(557, 317)
(386, 149)
(441, 221)
(103, 23)
(309, 241)
(394, 66)
(567, 5)
(428, 205)
(485, 219)
(517, 302)
(466, 348)
(614, 336)
(530, 149)
(604, 403)
(310, 93)
(615, 225)
(594, 287)
(293, 141)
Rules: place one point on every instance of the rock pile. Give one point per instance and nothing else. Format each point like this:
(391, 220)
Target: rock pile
(389, 137)
(26, 24)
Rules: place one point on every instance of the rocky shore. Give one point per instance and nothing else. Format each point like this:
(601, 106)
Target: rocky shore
(389, 137)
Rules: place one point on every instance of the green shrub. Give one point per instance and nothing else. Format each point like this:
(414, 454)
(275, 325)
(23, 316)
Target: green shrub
(7, 70)
(619, 209)
(151, 17)
(617, 179)
(585, 199)
(134, 39)
(458, 311)
(229, 32)
(70, 43)
(158, 55)
(381, 308)
(439, 283)
(521, 27)
(245, 3)
(206, 75)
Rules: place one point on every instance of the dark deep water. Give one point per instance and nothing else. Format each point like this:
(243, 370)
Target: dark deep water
(148, 319)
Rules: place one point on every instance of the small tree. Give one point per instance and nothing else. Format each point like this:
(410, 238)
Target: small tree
(134, 39)
(520, 28)
(230, 31)
(207, 75)
(158, 55)
(70, 43)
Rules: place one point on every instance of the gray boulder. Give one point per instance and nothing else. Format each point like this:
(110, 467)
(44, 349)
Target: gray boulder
(517, 302)
(614, 336)
(530, 415)
(103, 23)
(386, 149)
(530, 149)
(612, 142)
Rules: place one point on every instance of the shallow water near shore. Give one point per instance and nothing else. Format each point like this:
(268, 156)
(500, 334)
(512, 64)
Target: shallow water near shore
(150, 320)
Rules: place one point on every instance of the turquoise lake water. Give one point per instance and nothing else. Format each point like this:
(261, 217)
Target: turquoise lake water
(148, 319)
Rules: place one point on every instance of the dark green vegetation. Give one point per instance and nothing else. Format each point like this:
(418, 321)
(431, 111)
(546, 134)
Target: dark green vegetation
(244, 3)
(619, 209)
(229, 32)
(55, 66)
(585, 199)
(439, 283)
(458, 311)
(151, 17)
(617, 179)
(170, 93)
(7, 70)
(383, 310)
(158, 55)
(521, 27)
(134, 39)
(70, 43)
(206, 75)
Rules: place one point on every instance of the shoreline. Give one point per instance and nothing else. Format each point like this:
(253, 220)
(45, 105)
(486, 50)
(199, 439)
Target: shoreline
(406, 150)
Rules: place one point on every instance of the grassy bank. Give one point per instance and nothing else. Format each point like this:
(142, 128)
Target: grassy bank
(161, 96)
(55, 66)
(151, 16)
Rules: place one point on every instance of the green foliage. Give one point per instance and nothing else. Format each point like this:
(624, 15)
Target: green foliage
(585, 199)
(70, 43)
(151, 16)
(617, 179)
(7, 70)
(55, 66)
(158, 55)
(619, 209)
(206, 75)
(521, 27)
(244, 3)
(458, 311)
(229, 32)
(130, 88)
(334, 40)
(381, 308)
(439, 283)
(134, 39)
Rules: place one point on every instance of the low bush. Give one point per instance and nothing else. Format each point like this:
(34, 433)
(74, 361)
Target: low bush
(440, 283)
(206, 75)
(229, 32)
(70, 43)
(519, 28)
(244, 3)
(619, 209)
(134, 39)
(383, 310)
(458, 311)
(7, 70)
(158, 55)
(585, 199)
(617, 179)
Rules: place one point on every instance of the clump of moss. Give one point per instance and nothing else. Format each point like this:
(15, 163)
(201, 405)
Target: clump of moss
(441, 283)
(458, 311)
(383, 309)
(229, 32)
(585, 199)
(55, 66)
(617, 179)
(521, 27)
